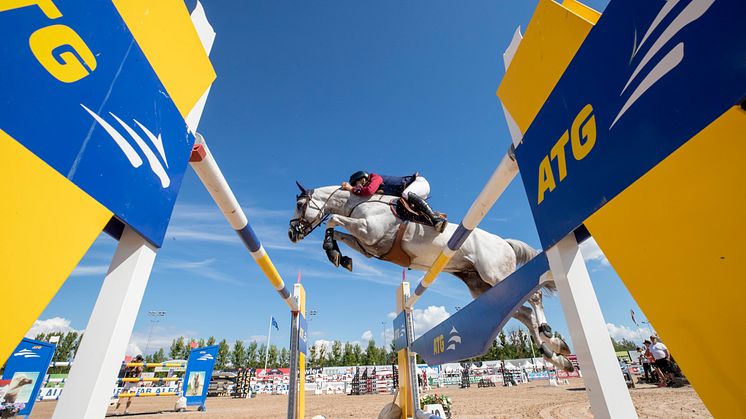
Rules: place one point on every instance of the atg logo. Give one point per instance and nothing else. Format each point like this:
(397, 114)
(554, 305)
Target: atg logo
(149, 150)
(652, 47)
(26, 353)
(440, 344)
(205, 357)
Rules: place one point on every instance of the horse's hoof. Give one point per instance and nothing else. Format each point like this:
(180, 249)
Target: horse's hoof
(346, 263)
(441, 224)
(565, 363)
(546, 330)
(334, 257)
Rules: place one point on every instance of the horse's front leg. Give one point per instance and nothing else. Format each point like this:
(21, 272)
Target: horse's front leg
(558, 345)
(357, 226)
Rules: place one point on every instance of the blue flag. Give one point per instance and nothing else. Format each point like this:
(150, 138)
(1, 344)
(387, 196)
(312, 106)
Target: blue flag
(274, 323)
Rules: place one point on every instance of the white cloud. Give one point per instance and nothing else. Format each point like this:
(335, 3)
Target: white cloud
(592, 252)
(624, 332)
(367, 335)
(133, 349)
(323, 343)
(55, 324)
(161, 337)
(428, 318)
(201, 268)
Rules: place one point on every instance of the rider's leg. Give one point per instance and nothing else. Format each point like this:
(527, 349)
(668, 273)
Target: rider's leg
(416, 193)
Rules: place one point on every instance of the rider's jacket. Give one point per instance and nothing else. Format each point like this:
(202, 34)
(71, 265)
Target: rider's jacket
(387, 185)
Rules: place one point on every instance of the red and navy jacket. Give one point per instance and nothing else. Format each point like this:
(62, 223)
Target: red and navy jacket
(387, 185)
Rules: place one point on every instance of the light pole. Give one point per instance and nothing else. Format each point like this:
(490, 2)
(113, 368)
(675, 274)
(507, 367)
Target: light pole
(385, 350)
(155, 316)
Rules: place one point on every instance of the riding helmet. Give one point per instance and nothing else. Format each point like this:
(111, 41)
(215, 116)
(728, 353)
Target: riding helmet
(360, 174)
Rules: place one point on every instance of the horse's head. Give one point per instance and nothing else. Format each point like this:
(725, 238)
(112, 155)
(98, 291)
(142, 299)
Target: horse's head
(308, 215)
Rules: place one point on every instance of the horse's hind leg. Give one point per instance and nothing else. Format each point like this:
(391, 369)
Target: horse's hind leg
(526, 316)
(557, 344)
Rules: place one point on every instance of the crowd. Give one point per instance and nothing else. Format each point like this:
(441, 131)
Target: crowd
(657, 364)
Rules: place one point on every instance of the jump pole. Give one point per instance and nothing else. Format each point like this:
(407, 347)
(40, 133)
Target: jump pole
(208, 171)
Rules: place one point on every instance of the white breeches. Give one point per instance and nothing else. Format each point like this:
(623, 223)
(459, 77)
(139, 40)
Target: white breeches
(420, 187)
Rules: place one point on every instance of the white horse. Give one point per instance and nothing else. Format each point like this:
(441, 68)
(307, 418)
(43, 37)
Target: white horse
(483, 260)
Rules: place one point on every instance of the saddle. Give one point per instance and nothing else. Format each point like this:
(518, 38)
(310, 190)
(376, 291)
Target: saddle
(407, 214)
(403, 211)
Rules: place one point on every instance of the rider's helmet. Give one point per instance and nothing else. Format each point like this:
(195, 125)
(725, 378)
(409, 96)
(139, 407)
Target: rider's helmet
(360, 174)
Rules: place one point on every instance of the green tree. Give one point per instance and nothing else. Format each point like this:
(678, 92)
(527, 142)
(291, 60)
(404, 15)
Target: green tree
(357, 354)
(223, 353)
(273, 354)
(252, 355)
(178, 348)
(623, 345)
(159, 355)
(347, 355)
(201, 343)
(262, 351)
(313, 356)
(284, 358)
(335, 356)
(211, 341)
(238, 356)
(371, 353)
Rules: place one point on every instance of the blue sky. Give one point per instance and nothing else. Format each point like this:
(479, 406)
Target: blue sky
(314, 91)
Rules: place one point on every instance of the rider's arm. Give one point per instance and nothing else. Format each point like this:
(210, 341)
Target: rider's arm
(371, 188)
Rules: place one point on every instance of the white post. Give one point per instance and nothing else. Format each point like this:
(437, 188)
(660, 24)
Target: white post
(99, 358)
(605, 385)
(266, 350)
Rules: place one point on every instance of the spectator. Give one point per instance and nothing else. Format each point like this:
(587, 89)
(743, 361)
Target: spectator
(662, 361)
(131, 387)
(645, 363)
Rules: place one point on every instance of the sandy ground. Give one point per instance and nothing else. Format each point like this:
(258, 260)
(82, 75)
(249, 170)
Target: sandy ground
(533, 400)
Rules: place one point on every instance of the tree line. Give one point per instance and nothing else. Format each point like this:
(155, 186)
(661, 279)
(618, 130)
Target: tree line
(511, 345)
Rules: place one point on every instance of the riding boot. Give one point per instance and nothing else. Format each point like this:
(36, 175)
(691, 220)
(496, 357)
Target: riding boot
(420, 205)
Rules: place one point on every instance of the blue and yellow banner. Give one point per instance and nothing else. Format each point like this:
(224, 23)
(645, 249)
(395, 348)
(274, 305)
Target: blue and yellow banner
(649, 76)
(26, 370)
(198, 374)
(92, 127)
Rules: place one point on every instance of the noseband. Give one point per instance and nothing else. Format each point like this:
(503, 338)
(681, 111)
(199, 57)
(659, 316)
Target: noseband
(307, 227)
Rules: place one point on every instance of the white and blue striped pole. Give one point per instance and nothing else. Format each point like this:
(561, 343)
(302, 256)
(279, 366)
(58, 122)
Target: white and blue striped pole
(499, 181)
(209, 173)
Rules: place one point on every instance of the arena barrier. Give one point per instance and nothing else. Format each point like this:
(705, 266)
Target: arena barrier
(593, 162)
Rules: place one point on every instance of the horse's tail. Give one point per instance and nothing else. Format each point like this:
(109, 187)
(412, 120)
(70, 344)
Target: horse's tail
(523, 254)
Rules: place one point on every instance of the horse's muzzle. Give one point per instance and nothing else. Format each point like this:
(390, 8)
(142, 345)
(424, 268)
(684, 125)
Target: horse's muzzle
(295, 232)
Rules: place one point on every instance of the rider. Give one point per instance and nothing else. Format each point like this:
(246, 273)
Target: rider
(414, 188)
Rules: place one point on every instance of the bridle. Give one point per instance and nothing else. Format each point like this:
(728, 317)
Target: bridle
(305, 227)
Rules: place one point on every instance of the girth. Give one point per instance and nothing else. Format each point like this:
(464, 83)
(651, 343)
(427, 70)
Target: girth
(396, 254)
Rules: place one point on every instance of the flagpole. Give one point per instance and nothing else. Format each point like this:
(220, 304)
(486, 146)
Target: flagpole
(266, 351)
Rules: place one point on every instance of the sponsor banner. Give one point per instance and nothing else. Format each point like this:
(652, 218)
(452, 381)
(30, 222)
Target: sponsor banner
(625, 103)
(24, 373)
(80, 94)
(470, 331)
(400, 332)
(199, 369)
(302, 334)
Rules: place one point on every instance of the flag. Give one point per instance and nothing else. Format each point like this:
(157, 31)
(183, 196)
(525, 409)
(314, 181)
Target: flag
(632, 314)
(274, 323)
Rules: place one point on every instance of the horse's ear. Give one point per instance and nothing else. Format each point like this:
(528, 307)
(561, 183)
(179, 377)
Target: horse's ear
(303, 190)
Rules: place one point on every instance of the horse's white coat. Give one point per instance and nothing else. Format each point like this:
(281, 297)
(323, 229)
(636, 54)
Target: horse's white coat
(482, 261)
